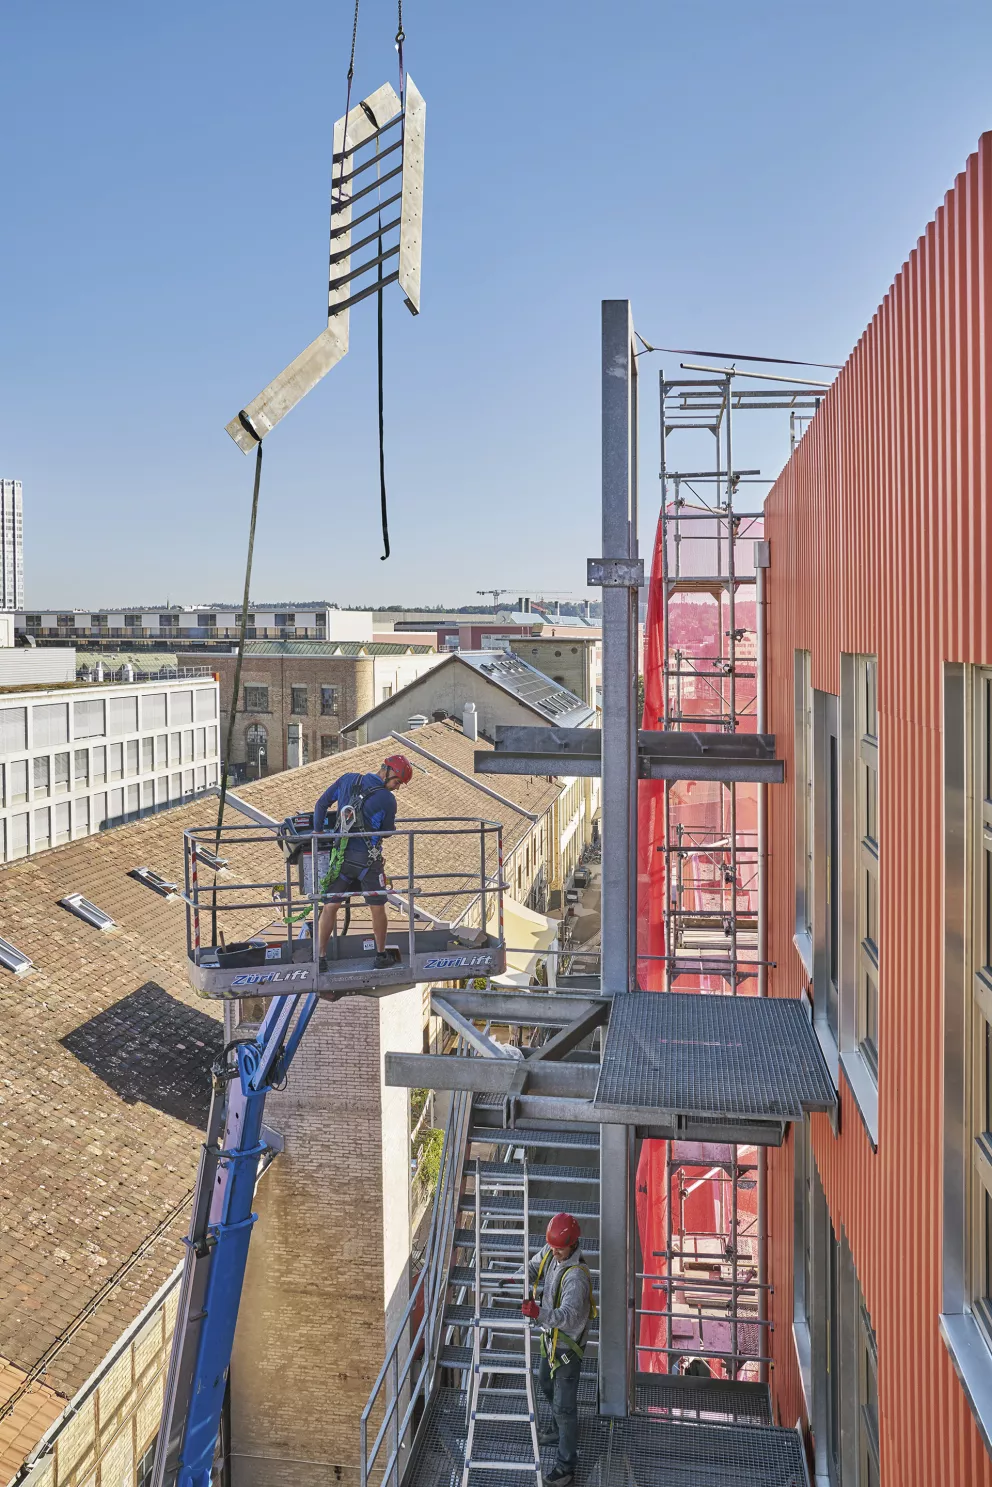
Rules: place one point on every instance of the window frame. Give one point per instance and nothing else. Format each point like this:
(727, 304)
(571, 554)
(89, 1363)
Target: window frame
(960, 1328)
(329, 704)
(803, 752)
(860, 880)
(255, 698)
(295, 689)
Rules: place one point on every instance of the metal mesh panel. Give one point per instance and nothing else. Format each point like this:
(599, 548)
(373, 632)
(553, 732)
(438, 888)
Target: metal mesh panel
(513, 1204)
(731, 1057)
(638, 1452)
(560, 1140)
(509, 1244)
(709, 1398)
(543, 1172)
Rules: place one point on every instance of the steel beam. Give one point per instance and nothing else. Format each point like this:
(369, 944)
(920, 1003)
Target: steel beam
(745, 757)
(571, 1036)
(493, 1076)
(524, 1008)
(481, 1042)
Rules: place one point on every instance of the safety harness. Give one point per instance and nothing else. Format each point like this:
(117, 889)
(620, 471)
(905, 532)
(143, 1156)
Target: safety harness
(551, 1353)
(351, 818)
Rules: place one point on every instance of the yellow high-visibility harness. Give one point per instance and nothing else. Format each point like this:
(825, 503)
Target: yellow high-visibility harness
(551, 1354)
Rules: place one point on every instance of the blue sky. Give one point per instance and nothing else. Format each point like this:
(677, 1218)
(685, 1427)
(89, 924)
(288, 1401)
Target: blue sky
(750, 177)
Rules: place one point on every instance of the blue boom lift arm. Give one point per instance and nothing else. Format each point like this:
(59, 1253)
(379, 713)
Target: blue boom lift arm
(217, 1246)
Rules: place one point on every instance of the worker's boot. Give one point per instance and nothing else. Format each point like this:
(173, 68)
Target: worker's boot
(548, 1437)
(559, 1476)
(385, 958)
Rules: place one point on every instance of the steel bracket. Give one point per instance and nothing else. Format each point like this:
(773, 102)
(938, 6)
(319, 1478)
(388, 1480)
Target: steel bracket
(615, 573)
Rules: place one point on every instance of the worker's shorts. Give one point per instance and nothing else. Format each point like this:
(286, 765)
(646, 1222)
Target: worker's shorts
(358, 877)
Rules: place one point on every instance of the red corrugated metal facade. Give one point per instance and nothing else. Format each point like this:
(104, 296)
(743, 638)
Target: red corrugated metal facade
(881, 544)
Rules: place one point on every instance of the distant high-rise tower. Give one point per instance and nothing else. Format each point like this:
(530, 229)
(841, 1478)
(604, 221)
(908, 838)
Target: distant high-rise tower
(11, 545)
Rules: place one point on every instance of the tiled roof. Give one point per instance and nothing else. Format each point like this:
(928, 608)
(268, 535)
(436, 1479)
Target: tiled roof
(550, 702)
(104, 1082)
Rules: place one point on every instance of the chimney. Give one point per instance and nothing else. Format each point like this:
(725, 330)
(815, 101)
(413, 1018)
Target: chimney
(470, 722)
(98, 673)
(128, 672)
(439, 715)
(418, 720)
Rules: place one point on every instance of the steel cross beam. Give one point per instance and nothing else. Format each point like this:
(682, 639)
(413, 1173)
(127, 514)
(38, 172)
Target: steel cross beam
(742, 757)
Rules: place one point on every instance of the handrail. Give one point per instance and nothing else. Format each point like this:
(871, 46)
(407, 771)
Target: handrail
(397, 1423)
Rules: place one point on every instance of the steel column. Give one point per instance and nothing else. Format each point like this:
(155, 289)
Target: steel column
(619, 765)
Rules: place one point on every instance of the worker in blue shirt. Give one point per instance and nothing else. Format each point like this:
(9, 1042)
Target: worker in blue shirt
(370, 803)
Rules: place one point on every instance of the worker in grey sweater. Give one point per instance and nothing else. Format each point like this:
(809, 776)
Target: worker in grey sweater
(560, 1278)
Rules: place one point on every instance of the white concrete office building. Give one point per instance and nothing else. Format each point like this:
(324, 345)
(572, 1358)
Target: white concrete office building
(80, 758)
(11, 545)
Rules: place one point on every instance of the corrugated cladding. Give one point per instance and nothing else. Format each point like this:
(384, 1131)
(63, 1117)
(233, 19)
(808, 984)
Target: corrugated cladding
(881, 543)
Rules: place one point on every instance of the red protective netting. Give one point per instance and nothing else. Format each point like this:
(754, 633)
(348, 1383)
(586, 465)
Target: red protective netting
(700, 822)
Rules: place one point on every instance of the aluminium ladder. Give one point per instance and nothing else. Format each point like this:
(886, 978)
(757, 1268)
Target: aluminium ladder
(510, 1185)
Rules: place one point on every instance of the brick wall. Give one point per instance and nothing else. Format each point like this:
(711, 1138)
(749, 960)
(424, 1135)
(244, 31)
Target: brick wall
(352, 676)
(329, 1253)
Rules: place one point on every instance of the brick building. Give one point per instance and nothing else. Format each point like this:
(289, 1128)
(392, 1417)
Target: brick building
(296, 695)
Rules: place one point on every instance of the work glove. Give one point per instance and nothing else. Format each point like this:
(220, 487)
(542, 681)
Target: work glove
(530, 1309)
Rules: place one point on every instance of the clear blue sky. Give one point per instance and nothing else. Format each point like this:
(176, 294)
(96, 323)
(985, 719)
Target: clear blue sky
(751, 177)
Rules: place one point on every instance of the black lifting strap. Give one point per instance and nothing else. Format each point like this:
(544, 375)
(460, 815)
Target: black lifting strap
(242, 633)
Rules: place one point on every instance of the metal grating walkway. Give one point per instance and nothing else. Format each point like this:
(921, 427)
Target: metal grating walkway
(710, 1400)
(637, 1452)
(713, 1056)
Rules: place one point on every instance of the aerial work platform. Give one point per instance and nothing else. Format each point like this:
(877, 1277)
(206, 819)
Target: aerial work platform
(252, 902)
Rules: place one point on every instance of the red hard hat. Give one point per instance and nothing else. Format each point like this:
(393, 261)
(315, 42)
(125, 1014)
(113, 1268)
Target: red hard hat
(400, 766)
(563, 1230)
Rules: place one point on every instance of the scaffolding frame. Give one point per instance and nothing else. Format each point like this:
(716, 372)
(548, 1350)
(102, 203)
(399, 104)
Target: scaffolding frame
(708, 507)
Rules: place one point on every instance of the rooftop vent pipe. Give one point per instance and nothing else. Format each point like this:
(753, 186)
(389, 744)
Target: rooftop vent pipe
(470, 721)
(418, 720)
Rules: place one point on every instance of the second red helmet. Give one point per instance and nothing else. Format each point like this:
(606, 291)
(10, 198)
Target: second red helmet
(400, 766)
(562, 1230)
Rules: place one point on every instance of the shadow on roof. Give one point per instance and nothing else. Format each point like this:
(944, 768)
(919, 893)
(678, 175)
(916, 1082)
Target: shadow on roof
(152, 1049)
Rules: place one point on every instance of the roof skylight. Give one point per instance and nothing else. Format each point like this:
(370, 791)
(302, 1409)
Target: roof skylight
(153, 880)
(89, 913)
(210, 859)
(15, 960)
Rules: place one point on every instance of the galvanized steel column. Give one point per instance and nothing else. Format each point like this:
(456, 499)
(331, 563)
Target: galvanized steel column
(619, 834)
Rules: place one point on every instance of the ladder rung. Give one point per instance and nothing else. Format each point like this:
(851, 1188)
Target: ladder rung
(496, 1415)
(506, 1466)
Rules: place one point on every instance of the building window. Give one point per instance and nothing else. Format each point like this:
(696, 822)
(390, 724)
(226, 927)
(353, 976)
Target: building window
(206, 621)
(147, 755)
(285, 619)
(328, 701)
(205, 699)
(61, 773)
(153, 711)
(122, 716)
(17, 836)
(133, 756)
(61, 823)
(50, 725)
(256, 699)
(82, 810)
(981, 1009)
(866, 671)
(42, 781)
(328, 745)
(42, 824)
(187, 745)
(256, 747)
(132, 621)
(868, 1402)
(81, 768)
(13, 729)
(145, 1464)
(99, 764)
(181, 708)
(98, 621)
(387, 692)
(89, 719)
(298, 705)
(116, 761)
(804, 806)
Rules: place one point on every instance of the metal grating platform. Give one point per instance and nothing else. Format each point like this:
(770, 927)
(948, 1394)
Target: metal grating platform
(542, 1172)
(711, 1400)
(560, 1140)
(494, 1205)
(637, 1452)
(718, 1057)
